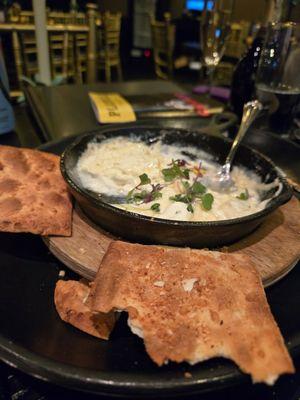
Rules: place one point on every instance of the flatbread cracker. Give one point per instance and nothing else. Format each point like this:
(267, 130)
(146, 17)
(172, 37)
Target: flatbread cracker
(276, 243)
(33, 194)
(192, 305)
(69, 298)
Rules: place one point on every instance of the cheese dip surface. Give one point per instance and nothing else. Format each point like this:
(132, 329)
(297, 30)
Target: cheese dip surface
(167, 181)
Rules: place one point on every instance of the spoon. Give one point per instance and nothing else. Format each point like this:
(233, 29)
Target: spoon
(223, 181)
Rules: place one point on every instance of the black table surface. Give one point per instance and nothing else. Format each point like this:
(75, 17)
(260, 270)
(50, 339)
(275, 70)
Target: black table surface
(57, 118)
(17, 385)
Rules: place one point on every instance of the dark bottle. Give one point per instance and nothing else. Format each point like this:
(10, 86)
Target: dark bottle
(243, 80)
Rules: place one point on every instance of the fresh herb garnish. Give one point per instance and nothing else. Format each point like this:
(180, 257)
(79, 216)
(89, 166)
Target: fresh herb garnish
(155, 207)
(180, 198)
(172, 173)
(144, 179)
(207, 201)
(198, 188)
(192, 191)
(244, 195)
(176, 171)
(186, 173)
(139, 196)
(155, 194)
(190, 208)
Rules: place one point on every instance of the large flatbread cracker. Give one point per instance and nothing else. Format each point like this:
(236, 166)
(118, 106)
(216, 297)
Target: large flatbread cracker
(192, 305)
(69, 298)
(33, 194)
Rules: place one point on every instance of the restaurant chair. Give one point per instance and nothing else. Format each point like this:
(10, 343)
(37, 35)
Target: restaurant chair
(163, 41)
(62, 60)
(61, 49)
(68, 50)
(28, 54)
(236, 46)
(16, 15)
(13, 13)
(108, 54)
(71, 18)
(80, 48)
(58, 18)
(69, 39)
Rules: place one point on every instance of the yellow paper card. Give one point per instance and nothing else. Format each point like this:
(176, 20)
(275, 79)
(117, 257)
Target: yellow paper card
(111, 108)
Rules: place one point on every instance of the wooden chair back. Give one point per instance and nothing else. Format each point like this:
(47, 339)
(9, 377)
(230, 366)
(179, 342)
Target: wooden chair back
(109, 44)
(61, 48)
(28, 50)
(163, 41)
(72, 18)
(110, 34)
(16, 15)
(72, 42)
(80, 47)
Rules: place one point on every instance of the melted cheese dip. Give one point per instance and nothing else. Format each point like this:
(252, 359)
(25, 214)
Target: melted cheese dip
(113, 167)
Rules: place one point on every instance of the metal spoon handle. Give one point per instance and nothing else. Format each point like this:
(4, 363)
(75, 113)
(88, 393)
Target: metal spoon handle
(250, 112)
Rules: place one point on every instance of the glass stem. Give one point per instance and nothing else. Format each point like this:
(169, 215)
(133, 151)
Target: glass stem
(210, 69)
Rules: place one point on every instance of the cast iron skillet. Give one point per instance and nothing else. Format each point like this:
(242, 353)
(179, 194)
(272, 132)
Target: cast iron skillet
(136, 227)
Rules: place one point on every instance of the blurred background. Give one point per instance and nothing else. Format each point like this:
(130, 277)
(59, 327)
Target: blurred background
(210, 48)
(135, 42)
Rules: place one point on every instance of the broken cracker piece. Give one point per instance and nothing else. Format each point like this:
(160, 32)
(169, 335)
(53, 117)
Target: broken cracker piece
(70, 298)
(223, 313)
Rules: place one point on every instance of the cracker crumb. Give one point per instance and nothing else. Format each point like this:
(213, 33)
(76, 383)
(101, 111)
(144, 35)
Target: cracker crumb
(188, 284)
(61, 273)
(159, 283)
(188, 375)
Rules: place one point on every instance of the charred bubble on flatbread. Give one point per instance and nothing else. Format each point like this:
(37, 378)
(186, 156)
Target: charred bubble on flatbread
(33, 194)
(192, 305)
(70, 297)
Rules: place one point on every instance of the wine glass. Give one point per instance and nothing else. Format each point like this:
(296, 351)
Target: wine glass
(278, 78)
(215, 29)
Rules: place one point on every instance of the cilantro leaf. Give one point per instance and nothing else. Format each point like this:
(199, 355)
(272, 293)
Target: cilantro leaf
(169, 174)
(190, 208)
(156, 195)
(244, 195)
(181, 198)
(140, 196)
(186, 185)
(129, 195)
(198, 188)
(207, 201)
(186, 173)
(155, 207)
(174, 172)
(144, 179)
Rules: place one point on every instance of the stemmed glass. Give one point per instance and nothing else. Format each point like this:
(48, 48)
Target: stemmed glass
(215, 29)
(278, 78)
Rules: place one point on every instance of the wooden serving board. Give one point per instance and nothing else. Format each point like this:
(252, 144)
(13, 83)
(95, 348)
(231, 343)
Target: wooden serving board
(274, 246)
